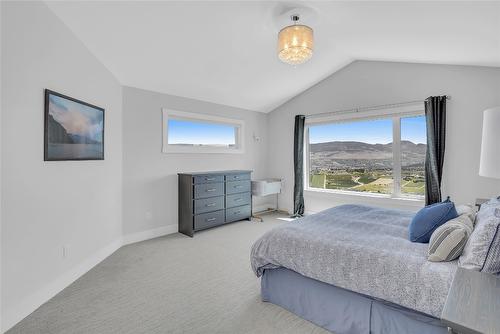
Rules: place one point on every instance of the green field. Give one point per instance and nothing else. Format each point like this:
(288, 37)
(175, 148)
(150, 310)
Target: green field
(339, 181)
(367, 178)
(381, 182)
(413, 183)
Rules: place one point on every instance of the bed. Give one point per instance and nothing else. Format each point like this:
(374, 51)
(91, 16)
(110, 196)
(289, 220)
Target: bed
(352, 269)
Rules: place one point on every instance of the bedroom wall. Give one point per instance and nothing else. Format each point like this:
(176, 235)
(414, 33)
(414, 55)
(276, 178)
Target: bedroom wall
(150, 176)
(46, 205)
(1, 185)
(367, 83)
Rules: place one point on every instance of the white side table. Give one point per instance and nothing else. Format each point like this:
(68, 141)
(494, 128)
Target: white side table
(473, 303)
(266, 187)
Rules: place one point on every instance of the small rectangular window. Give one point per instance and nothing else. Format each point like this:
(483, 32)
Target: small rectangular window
(199, 133)
(195, 133)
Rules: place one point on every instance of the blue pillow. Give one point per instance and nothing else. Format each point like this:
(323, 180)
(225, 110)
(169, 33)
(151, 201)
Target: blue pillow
(430, 218)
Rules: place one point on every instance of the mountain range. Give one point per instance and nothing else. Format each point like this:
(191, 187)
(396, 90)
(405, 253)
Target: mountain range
(352, 154)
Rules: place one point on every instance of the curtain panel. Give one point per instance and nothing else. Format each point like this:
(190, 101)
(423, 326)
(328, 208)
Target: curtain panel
(298, 163)
(435, 114)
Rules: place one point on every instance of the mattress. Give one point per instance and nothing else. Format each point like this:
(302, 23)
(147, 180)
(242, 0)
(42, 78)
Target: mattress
(359, 248)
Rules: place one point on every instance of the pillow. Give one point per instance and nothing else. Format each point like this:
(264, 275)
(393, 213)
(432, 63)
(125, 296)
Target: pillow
(466, 209)
(429, 219)
(448, 240)
(482, 251)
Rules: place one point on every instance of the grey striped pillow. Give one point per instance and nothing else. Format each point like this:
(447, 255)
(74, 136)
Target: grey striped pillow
(448, 240)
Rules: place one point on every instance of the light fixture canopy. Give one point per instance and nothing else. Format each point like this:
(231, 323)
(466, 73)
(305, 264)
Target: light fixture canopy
(295, 43)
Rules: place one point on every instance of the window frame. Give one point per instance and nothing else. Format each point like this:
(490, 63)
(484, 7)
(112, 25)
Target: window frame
(394, 113)
(205, 118)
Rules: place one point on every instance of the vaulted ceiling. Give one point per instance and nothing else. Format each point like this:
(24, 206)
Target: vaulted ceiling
(225, 52)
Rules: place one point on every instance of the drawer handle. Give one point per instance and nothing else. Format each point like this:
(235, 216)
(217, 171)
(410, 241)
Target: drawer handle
(236, 177)
(210, 204)
(237, 212)
(210, 219)
(238, 186)
(209, 178)
(211, 190)
(238, 199)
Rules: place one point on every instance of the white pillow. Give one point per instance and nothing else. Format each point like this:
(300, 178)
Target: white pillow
(482, 251)
(466, 209)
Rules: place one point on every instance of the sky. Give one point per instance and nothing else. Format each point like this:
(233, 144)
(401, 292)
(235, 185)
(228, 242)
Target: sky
(77, 118)
(370, 131)
(189, 132)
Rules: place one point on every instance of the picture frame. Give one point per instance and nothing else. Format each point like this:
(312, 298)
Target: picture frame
(73, 129)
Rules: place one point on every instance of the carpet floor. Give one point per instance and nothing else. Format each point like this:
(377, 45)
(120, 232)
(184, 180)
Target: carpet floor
(172, 284)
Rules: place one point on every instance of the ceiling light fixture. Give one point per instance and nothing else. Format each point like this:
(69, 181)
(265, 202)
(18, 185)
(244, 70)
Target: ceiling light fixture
(295, 43)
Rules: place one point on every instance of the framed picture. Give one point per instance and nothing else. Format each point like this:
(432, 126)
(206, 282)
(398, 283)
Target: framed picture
(74, 130)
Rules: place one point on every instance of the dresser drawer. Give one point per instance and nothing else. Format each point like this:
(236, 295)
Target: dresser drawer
(238, 213)
(209, 178)
(235, 187)
(206, 220)
(238, 177)
(205, 190)
(237, 200)
(208, 204)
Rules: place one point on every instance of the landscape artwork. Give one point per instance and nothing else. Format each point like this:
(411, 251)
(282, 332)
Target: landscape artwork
(74, 130)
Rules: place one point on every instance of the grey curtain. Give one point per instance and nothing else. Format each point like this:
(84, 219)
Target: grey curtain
(298, 163)
(435, 114)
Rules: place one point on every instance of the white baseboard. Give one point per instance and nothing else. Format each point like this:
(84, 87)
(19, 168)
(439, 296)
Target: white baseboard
(25, 307)
(149, 234)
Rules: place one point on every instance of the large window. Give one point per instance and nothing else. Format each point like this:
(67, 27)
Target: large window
(199, 133)
(413, 147)
(381, 155)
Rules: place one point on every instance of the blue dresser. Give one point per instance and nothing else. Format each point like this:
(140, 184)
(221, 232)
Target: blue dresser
(210, 199)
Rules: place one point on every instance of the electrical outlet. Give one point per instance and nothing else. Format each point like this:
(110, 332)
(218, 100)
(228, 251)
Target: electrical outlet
(149, 215)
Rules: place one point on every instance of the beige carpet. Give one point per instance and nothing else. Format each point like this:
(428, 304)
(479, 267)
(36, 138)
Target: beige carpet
(172, 284)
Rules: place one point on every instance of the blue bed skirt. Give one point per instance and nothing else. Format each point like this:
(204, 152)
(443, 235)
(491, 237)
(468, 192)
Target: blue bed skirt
(342, 311)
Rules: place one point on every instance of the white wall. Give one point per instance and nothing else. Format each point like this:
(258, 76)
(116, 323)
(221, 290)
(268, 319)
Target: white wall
(1, 186)
(46, 205)
(364, 83)
(150, 176)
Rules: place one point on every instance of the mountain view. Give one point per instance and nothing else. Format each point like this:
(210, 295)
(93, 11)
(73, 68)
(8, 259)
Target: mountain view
(359, 166)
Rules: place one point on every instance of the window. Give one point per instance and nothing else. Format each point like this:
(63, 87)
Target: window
(382, 154)
(198, 133)
(413, 149)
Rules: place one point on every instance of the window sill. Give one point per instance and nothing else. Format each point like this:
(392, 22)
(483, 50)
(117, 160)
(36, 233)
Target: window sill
(201, 150)
(368, 197)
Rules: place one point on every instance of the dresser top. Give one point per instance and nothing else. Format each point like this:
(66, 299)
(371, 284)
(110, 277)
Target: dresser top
(217, 172)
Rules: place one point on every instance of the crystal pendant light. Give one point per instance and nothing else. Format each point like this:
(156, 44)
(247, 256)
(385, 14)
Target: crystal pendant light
(295, 43)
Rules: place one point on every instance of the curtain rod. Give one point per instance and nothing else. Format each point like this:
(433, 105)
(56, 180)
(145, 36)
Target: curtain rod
(358, 109)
